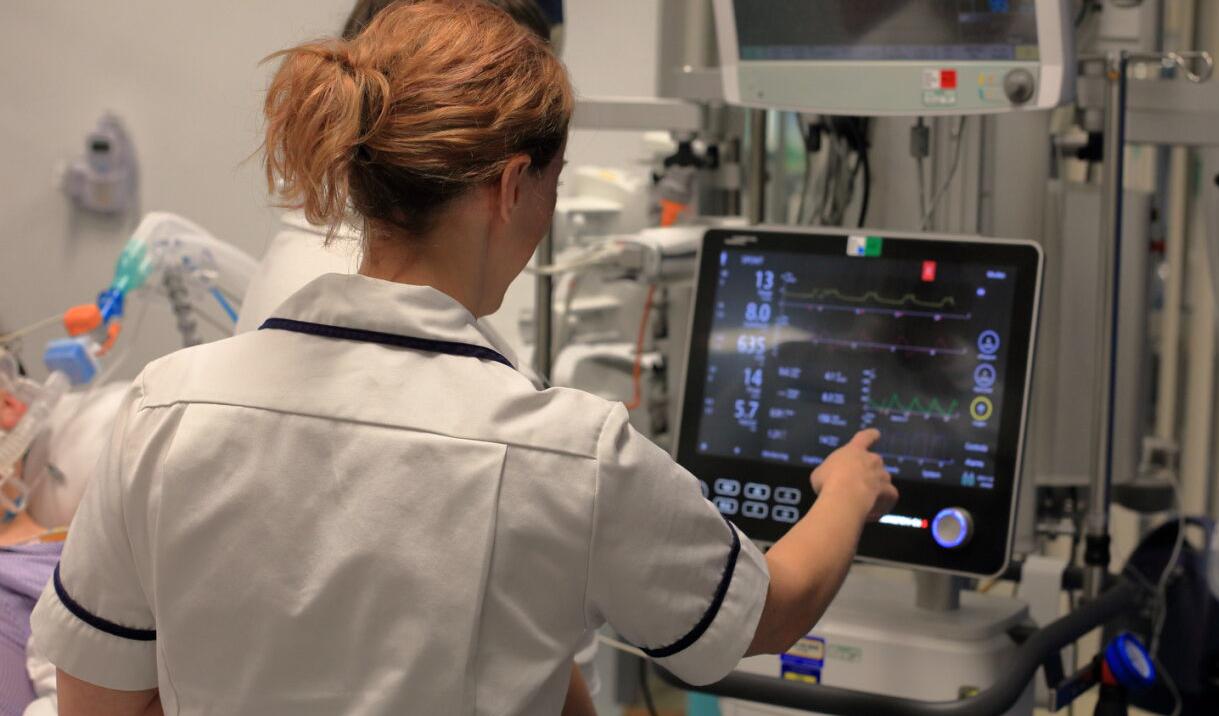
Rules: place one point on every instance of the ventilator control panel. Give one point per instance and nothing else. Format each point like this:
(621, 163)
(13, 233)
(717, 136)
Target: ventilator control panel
(801, 340)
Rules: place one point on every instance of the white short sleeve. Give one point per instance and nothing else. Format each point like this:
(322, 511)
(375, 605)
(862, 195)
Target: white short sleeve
(666, 570)
(93, 619)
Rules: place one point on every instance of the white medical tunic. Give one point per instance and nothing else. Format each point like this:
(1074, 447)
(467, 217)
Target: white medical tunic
(365, 509)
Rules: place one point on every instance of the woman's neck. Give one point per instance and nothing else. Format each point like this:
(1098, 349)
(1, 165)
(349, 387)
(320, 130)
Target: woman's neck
(452, 258)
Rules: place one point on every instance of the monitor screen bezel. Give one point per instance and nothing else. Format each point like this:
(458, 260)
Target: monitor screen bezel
(935, 54)
(1054, 69)
(994, 510)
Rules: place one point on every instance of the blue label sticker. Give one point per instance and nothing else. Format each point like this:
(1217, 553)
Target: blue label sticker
(793, 668)
(804, 661)
(809, 648)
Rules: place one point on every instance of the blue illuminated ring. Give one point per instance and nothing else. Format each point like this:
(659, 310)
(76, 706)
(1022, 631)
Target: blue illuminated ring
(962, 534)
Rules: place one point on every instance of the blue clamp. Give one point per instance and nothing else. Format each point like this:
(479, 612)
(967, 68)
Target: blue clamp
(110, 302)
(1130, 663)
(72, 358)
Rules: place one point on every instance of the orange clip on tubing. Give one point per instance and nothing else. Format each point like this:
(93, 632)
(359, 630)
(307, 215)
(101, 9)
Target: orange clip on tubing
(112, 335)
(79, 320)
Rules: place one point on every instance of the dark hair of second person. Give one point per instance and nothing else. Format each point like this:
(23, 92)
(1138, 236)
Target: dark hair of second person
(525, 12)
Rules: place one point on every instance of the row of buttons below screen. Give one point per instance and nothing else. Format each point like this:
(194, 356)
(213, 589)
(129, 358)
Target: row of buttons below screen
(753, 491)
(728, 490)
(757, 510)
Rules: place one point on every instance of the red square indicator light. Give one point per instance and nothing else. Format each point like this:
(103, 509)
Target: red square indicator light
(948, 79)
(928, 271)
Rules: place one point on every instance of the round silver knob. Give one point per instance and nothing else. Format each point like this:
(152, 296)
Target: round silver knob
(1019, 85)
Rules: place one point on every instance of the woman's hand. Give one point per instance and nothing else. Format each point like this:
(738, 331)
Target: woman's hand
(854, 475)
(808, 565)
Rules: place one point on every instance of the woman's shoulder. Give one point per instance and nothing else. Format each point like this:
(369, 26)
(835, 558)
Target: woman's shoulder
(562, 419)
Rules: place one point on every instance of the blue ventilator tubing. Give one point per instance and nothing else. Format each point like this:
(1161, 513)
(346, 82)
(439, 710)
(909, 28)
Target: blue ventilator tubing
(228, 307)
(110, 302)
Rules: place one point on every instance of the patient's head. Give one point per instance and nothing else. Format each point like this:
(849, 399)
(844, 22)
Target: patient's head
(11, 412)
(15, 525)
(11, 406)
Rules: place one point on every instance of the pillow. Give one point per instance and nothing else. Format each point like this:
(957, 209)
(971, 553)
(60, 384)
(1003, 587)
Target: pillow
(295, 257)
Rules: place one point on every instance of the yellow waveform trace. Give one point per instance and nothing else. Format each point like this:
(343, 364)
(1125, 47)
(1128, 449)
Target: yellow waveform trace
(822, 294)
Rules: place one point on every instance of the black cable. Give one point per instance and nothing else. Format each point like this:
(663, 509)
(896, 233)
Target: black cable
(811, 134)
(846, 135)
(867, 187)
(831, 173)
(648, 702)
(1084, 9)
(861, 149)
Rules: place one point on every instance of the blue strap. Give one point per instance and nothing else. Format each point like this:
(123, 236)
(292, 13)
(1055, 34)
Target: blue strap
(386, 339)
(103, 625)
(717, 600)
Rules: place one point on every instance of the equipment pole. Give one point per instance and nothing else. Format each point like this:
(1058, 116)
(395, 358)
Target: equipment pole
(755, 184)
(1096, 549)
(543, 310)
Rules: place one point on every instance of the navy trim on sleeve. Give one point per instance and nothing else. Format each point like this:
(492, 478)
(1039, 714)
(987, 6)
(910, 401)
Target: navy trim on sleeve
(97, 622)
(389, 339)
(716, 601)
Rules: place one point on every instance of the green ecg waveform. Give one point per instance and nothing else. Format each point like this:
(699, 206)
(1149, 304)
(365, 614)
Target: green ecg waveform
(822, 294)
(895, 404)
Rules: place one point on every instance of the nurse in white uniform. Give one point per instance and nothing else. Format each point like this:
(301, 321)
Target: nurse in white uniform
(364, 507)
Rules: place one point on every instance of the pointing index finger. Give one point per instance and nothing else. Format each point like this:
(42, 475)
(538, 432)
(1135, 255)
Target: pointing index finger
(865, 439)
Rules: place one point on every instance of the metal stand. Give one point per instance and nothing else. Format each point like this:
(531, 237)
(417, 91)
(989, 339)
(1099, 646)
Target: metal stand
(1097, 522)
(938, 592)
(1116, 66)
(543, 311)
(755, 185)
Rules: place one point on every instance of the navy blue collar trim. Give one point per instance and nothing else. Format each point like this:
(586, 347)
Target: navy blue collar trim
(717, 600)
(387, 339)
(97, 622)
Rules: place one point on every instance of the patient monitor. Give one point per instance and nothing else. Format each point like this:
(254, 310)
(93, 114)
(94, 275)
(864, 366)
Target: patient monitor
(801, 338)
(912, 57)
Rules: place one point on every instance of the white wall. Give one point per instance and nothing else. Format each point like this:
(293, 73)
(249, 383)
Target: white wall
(184, 76)
(611, 51)
(185, 79)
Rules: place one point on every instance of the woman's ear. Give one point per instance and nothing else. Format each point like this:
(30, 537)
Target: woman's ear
(511, 184)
